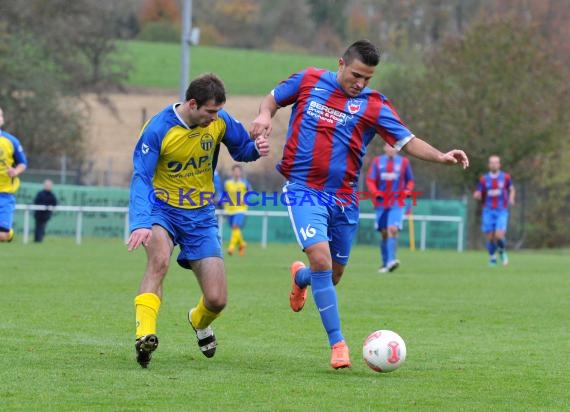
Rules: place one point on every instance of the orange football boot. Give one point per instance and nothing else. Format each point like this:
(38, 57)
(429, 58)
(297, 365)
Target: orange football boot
(340, 357)
(298, 295)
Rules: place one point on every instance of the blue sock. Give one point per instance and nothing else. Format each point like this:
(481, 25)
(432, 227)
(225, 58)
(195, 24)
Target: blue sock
(303, 277)
(324, 294)
(491, 247)
(501, 245)
(384, 251)
(392, 244)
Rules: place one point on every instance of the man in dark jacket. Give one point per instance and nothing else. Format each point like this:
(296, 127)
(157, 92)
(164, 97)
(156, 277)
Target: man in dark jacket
(47, 198)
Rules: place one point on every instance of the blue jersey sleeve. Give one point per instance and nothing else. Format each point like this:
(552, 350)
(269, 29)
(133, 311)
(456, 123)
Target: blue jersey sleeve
(287, 91)
(236, 138)
(391, 127)
(481, 184)
(508, 181)
(409, 176)
(145, 158)
(19, 154)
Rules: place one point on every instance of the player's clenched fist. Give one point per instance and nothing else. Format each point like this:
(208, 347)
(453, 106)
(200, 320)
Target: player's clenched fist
(262, 145)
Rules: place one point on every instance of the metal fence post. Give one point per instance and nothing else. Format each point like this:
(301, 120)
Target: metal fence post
(126, 233)
(26, 235)
(79, 226)
(264, 224)
(460, 236)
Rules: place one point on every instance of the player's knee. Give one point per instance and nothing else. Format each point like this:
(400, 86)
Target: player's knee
(320, 262)
(158, 265)
(337, 276)
(216, 301)
(392, 231)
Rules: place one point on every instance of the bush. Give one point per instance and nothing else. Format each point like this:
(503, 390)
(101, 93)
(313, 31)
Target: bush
(160, 31)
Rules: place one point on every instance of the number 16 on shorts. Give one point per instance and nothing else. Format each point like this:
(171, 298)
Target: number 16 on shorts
(307, 232)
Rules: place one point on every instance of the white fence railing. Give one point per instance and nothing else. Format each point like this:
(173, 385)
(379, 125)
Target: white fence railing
(265, 215)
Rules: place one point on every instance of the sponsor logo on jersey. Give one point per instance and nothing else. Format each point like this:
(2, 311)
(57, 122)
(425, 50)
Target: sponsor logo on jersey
(194, 162)
(326, 114)
(388, 176)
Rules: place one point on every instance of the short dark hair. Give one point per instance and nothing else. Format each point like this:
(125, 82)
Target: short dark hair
(206, 87)
(363, 50)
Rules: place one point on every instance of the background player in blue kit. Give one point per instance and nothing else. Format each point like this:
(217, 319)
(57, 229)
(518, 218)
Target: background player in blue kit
(391, 175)
(334, 118)
(171, 203)
(497, 192)
(13, 162)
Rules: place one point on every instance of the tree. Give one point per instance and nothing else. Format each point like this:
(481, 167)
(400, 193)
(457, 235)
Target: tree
(53, 51)
(495, 90)
(49, 124)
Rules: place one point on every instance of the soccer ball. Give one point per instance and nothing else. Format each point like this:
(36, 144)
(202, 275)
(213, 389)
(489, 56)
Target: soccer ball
(384, 351)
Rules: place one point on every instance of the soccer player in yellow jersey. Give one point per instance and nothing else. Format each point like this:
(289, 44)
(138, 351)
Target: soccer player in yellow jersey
(235, 208)
(171, 203)
(12, 163)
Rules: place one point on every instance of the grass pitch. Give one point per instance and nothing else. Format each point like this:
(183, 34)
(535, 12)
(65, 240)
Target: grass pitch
(245, 72)
(477, 338)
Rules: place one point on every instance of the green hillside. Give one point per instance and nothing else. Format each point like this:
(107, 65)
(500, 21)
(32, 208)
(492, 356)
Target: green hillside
(245, 72)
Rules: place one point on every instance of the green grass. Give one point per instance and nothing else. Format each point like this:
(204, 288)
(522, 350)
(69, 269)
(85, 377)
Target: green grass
(245, 72)
(478, 338)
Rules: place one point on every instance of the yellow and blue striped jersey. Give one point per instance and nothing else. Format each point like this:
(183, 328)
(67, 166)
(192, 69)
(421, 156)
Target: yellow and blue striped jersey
(235, 191)
(174, 163)
(11, 155)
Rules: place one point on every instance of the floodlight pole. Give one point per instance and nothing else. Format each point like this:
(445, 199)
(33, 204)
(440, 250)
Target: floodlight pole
(185, 47)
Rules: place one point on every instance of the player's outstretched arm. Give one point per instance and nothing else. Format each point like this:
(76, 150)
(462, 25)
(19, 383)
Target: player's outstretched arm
(512, 195)
(261, 125)
(422, 150)
(237, 140)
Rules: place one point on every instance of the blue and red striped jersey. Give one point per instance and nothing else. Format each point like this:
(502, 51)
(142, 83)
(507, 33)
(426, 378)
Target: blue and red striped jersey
(329, 131)
(390, 174)
(494, 188)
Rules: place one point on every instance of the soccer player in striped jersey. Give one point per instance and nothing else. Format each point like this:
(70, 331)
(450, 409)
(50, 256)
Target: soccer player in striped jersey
(391, 175)
(235, 208)
(334, 117)
(13, 162)
(171, 203)
(497, 192)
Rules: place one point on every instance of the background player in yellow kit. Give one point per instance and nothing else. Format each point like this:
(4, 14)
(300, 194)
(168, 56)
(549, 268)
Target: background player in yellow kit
(235, 208)
(12, 163)
(171, 203)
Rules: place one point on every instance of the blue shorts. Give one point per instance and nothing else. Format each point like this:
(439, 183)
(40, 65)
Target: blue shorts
(236, 220)
(389, 216)
(7, 207)
(195, 230)
(494, 219)
(315, 219)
